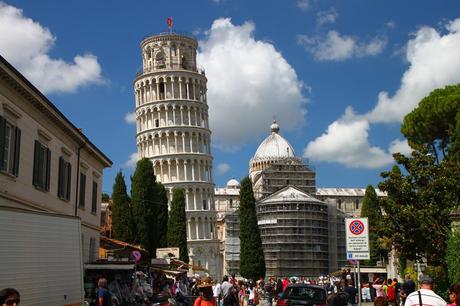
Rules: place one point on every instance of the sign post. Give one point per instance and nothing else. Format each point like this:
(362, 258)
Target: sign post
(357, 235)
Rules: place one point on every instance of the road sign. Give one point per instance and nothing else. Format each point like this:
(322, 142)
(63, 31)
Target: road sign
(357, 235)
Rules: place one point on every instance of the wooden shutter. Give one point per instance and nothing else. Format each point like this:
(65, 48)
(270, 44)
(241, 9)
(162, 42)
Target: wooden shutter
(2, 141)
(17, 150)
(82, 190)
(69, 179)
(94, 202)
(36, 171)
(61, 172)
(48, 167)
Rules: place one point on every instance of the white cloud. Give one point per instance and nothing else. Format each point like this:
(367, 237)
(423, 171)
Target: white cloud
(346, 142)
(391, 24)
(130, 117)
(222, 168)
(304, 5)
(400, 146)
(324, 17)
(337, 47)
(434, 62)
(131, 162)
(246, 77)
(25, 44)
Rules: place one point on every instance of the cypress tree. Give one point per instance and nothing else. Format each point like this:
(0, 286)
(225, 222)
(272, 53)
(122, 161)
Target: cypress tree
(177, 228)
(371, 210)
(145, 205)
(121, 211)
(252, 260)
(162, 216)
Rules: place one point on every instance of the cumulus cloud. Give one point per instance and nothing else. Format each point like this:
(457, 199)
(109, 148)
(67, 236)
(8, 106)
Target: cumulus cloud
(131, 162)
(222, 168)
(324, 17)
(246, 77)
(130, 117)
(304, 5)
(433, 62)
(25, 44)
(400, 146)
(346, 142)
(338, 47)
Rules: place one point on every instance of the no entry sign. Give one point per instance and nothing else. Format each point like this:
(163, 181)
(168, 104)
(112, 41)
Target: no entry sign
(357, 235)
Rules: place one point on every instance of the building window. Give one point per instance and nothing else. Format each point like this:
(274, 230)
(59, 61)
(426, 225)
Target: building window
(94, 198)
(357, 204)
(339, 204)
(81, 202)
(64, 175)
(42, 162)
(157, 123)
(10, 141)
(205, 205)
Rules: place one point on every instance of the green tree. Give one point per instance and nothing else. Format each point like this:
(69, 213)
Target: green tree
(144, 197)
(418, 205)
(452, 258)
(121, 211)
(371, 210)
(162, 216)
(177, 226)
(252, 260)
(433, 123)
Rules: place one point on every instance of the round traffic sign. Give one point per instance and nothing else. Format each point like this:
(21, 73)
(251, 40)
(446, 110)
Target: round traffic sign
(356, 227)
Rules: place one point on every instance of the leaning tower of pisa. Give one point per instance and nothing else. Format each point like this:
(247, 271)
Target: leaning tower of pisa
(173, 132)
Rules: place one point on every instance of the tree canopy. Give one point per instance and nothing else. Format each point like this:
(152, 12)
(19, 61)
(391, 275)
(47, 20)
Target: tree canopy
(121, 211)
(177, 226)
(252, 260)
(434, 122)
(145, 203)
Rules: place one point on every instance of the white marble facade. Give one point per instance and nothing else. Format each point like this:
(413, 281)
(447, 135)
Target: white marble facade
(173, 132)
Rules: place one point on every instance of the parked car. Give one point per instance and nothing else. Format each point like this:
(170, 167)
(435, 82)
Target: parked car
(302, 295)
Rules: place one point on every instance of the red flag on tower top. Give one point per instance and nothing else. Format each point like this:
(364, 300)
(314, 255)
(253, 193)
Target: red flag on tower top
(169, 21)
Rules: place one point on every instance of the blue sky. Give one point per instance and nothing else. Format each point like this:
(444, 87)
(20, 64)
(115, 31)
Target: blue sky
(338, 75)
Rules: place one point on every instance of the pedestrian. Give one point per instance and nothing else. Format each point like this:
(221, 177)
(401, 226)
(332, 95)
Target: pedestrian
(269, 291)
(365, 292)
(227, 292)
(407, 288)
(397, 286)
(217, 292)
(206, 297)
(351, 291)
(337, 299)
(378, 286)
(391, 292)
(279, 289)
(104, 296)
(9, 297)
(454, 295)
(425, 296)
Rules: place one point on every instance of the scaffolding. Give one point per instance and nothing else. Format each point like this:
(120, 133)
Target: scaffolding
(294, 231)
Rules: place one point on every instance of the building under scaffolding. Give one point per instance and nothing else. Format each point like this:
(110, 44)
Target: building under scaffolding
(294, 230)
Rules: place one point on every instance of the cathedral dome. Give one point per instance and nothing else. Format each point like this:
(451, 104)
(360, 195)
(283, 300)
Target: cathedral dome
(274, 146)
(233, 183)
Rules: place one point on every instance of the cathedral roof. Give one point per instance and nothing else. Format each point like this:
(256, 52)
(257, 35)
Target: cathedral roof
(290, 194)
(274, 146)
(233, 183)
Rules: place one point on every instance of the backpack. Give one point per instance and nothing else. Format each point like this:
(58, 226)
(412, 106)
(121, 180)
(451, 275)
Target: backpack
(391, 293)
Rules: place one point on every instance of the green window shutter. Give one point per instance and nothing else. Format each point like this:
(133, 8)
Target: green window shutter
(2, 142)
(36, 170)
(69, 179)
(94, 199)
(48, 167)
(17, 150)
(82, 190)
(61, 172)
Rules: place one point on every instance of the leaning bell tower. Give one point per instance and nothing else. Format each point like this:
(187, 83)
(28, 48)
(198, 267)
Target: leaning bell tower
(173, 132)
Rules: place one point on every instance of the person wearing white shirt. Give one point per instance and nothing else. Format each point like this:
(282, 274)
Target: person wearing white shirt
(425, 296)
